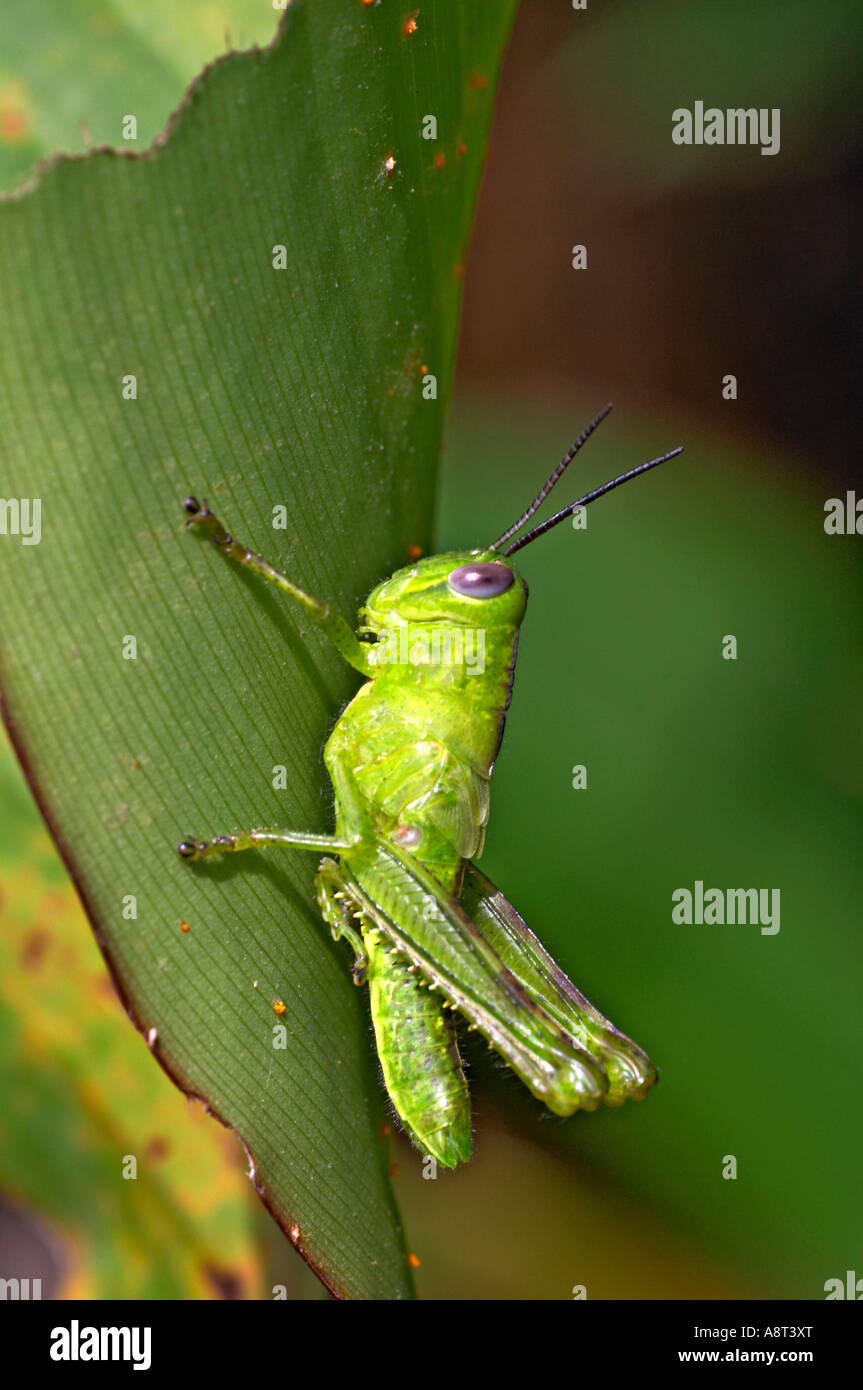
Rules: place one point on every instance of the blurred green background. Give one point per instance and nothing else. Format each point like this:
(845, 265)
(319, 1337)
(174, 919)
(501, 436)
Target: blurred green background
(740, 773)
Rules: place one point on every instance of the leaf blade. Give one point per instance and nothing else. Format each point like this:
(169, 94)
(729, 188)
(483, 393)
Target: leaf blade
(259, 388)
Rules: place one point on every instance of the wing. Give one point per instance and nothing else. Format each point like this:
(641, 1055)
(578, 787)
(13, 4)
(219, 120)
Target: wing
(417, 1049)
(630, 1071)
(429, 926)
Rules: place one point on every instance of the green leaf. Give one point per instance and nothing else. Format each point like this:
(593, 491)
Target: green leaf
(257, 388)
(72, 70)
(183, 1227)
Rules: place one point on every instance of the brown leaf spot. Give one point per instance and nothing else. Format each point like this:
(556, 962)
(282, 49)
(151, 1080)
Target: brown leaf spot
(33, 948)
(224, 1282)
(157, 1148)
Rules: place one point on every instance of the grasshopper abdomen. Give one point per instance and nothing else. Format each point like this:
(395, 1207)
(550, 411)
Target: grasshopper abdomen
(419, 1055)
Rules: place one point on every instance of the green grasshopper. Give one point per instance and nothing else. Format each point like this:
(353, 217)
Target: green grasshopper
(410, 760)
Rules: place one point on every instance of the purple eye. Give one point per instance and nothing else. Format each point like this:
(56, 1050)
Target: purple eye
(484, 580)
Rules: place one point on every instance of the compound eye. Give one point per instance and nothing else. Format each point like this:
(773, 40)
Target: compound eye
(486, 579)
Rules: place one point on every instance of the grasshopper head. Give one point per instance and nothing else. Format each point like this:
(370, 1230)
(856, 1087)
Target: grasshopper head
(470, 588)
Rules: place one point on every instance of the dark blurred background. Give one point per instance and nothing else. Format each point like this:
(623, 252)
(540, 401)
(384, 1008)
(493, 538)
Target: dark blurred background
(701, 262)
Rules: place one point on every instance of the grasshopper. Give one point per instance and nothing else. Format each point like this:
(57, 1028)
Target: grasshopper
(410, 760)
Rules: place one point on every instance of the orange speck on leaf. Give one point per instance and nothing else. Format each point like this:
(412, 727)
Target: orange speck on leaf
(394, 1170)
(439, 160)
(385, 1129)
(457, 271)
(413, 1261)
(461, 149)
(12, 125)
(410, 24)
(184, 926)
(279, 1007)
(477, 81)
(414, 552)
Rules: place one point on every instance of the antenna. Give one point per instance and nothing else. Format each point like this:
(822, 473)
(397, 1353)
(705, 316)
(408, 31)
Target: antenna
(546, 487)
(560, 516)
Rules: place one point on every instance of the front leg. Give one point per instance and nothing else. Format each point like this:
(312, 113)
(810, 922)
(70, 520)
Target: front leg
(352, 823)
(193, 849)
(334, 625)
